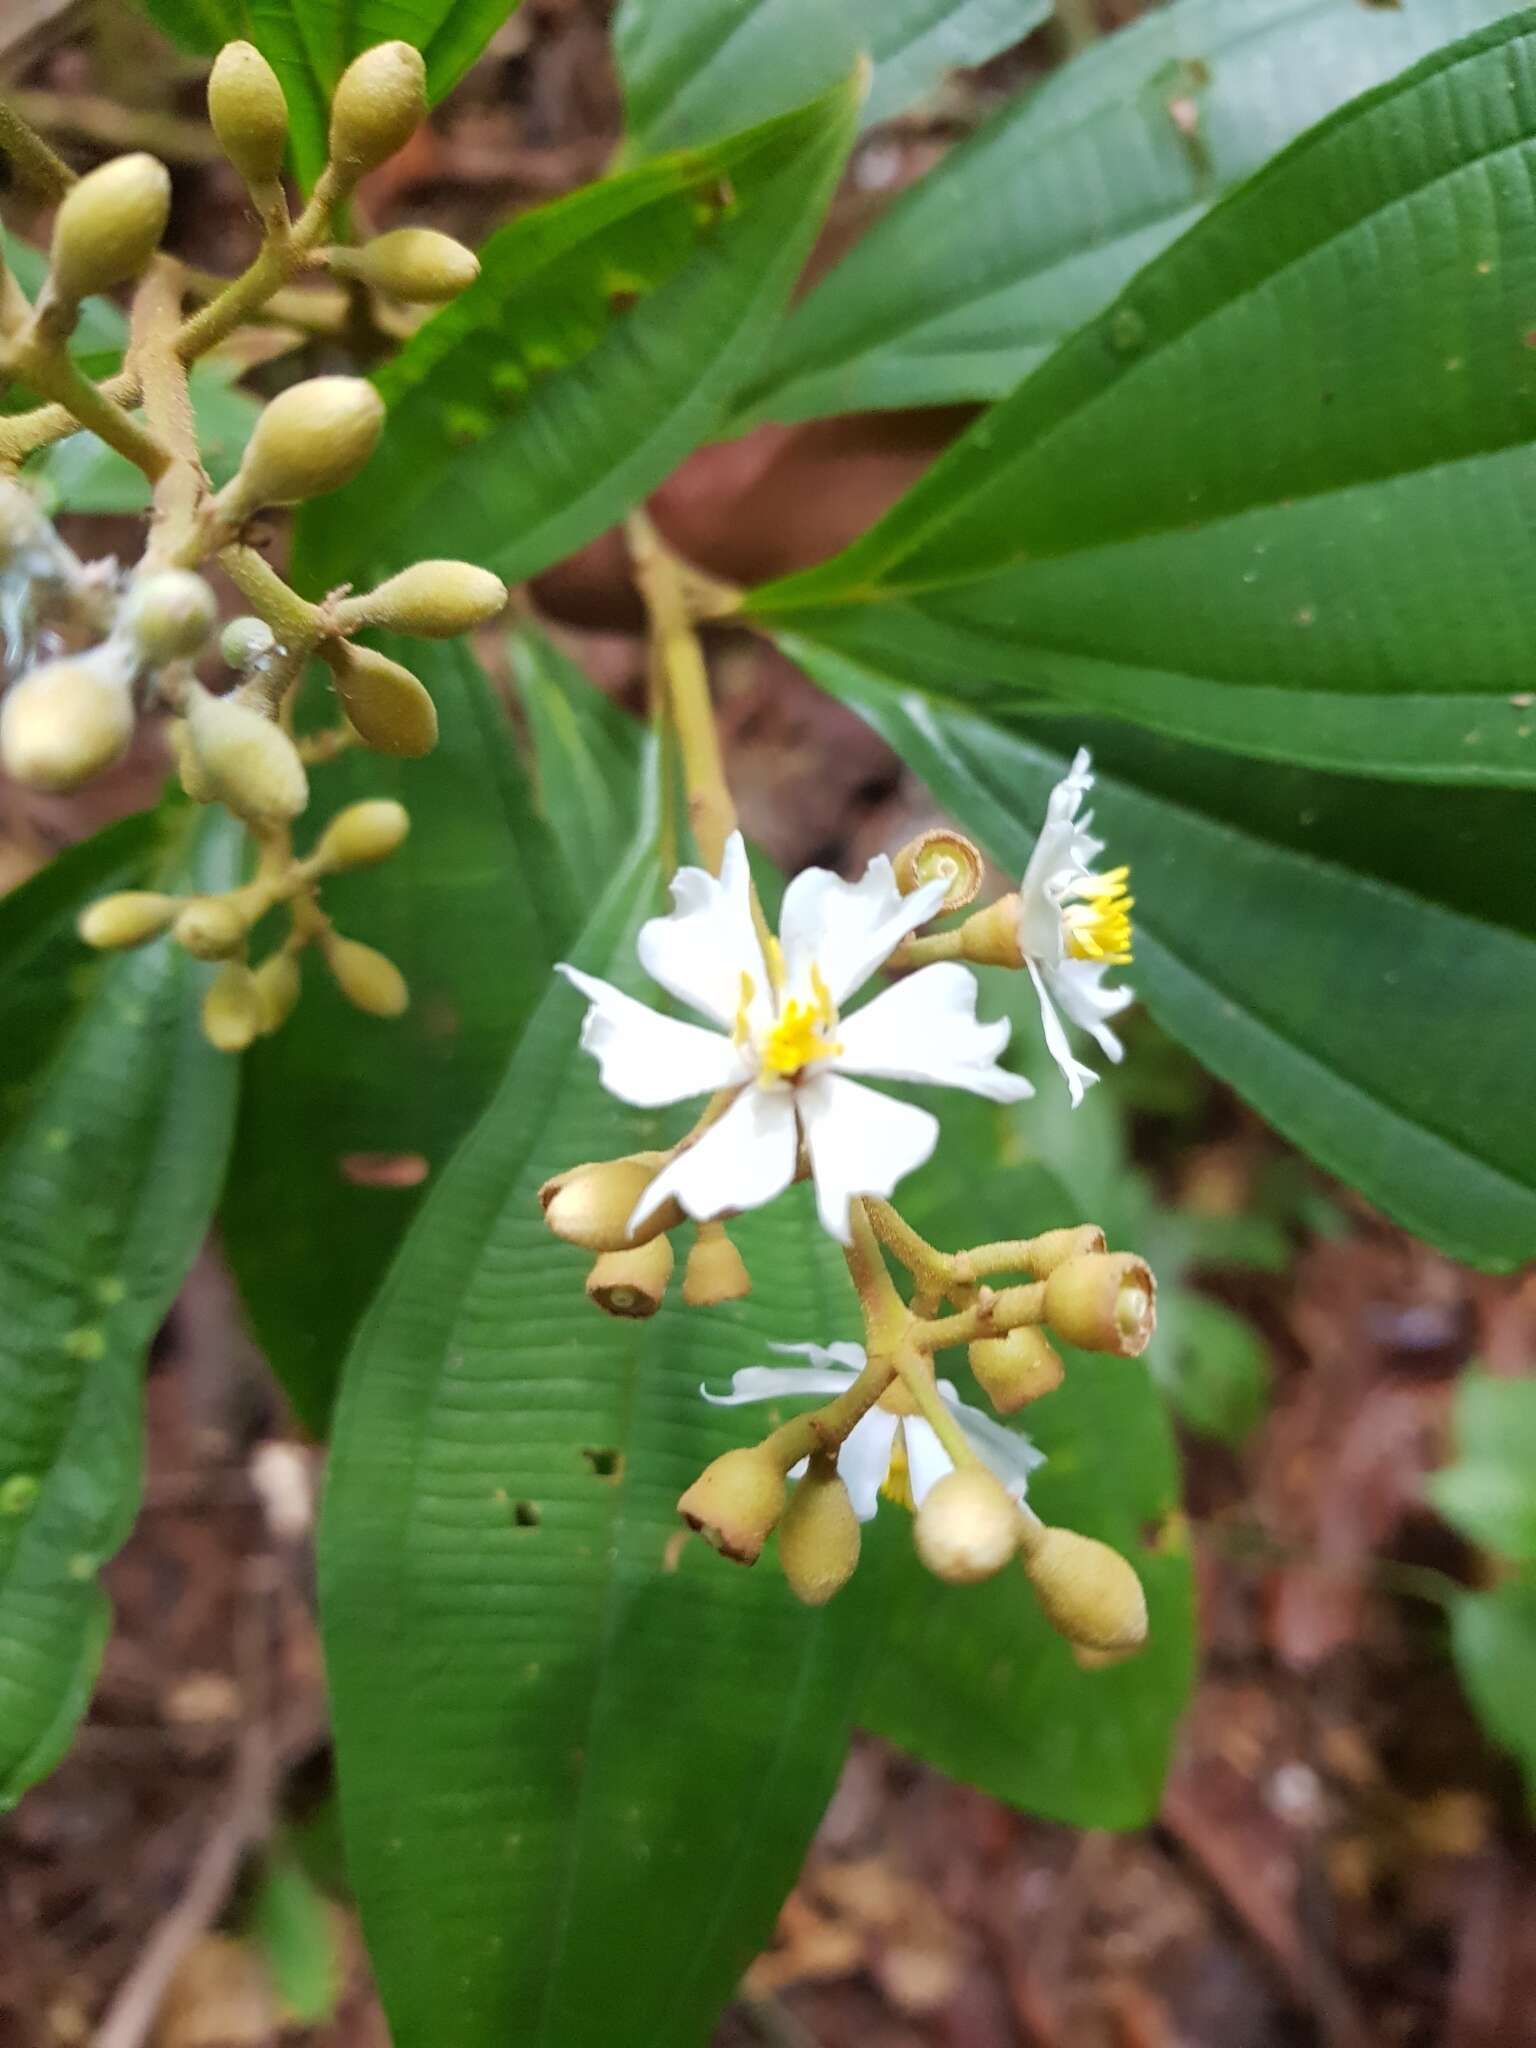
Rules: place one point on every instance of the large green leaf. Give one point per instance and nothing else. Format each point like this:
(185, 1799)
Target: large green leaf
(601, 342)
(309, 43)
(1490, 1491)
(984, 266)
(108, 1174)
(1493, 1638)
(345, 1119)
(1277, 499)
(693, 68)
(586, 755)
(577, 1773)
(1359, 961)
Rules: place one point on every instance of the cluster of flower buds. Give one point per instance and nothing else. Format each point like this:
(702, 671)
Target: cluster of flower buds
(93, 647)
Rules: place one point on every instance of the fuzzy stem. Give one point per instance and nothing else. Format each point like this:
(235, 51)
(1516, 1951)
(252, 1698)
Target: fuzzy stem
(35, 164)
(992, 1315)
(916, 1375)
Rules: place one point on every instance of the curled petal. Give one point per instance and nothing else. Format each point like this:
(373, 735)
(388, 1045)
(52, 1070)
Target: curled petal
(1008, 1452)
(779, 1382)
(927, 1459)
(865, 1459)
(644, 1057)
(741, 1161)
(846, 929)
(860, 1143)
(701, 949)
(1078, 986)
(926, 1029)
(850, 1356)
(1079, 1078)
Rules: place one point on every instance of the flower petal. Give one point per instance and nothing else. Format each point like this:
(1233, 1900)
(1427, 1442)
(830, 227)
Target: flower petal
(927, 1459)
(846, 929)
(780, 1382)
(1079, 1079)
(860, 1143)
(925, 1028)
(646, 1058)
(865, 1459)
(1078, 986)
(850, 1356)
(700, 950)
(1007, 1452)
(740, 1162)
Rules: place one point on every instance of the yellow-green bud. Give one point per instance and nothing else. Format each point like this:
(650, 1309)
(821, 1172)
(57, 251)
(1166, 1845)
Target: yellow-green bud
(631, 1283)
(716, 1271)
(245, 757)
(410, 263)
(819, 1535)
(278, 981)
(211, 928)
(941, 855)
(365, 977)
(168, 615)
(1053, 1248)
(591, 1205)
(361, 834)
(246, 640)
(967, 1527)
(189, 769)
(1088, 1591)
(378, 105)
(735, 1503)
(434, 600)
(231, 1009)
(389, 709)
(248, 113)
(314, 437)
(108, 225)
(127, 919)
(1014, 1370)
(1106, 1301)
(68, 720)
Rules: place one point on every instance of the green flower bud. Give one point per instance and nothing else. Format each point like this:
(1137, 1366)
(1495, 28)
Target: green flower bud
(246, 758)
(231, 1009)
(716, 1271)
(378, 105)
(127, 919)
(211, 928)
(1015, 1370)
(967, 1527)
(591, 1205)
(278, 982)
(735, 1503)
(313, 438)
(68, 720)
(410, 263)
(245, 641)
(631, 1283)
(1089, 1593)
(168, 615)
(1105, 1301)
(248, 113)
(365, 977)
(108, 225)
(389, 709)
(434, 600)
(361, 834)
(819, 1535)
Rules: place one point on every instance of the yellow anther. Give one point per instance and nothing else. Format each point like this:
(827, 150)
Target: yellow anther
(897, 1483)
(743, 1029)
(774, 954)
(1098, 926)
(795, 1040)
(825, 1007)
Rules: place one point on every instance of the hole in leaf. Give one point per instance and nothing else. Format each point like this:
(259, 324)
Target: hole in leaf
(525, 1514)
(383, 1169)
(606, 1461)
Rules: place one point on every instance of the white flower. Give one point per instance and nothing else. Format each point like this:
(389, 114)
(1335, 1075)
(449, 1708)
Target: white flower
(1074, 925)
(897, 1453)
(780, 1044)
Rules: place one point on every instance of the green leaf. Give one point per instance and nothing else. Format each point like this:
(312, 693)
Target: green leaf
(576, 1782)
(295, 1927)
(586, 759)
(1359, 961)
(1490, 1492)
(1027, 230)
(1277, 498)
(690, 67)
(108, 1176)
(1493, 1638)
(1211, 1364)
(601, 342)
(309, 43)
(346, 1119)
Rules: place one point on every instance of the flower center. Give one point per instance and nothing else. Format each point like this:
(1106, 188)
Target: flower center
(1098, 925)
(801, 1033)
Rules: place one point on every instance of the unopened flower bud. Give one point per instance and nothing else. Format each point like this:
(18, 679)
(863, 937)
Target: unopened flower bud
(591, 1205)
(1014, 1370)
(246, 640)
(278, 982)
(314, 437)
(127, 919)
(631, 1283)
(248, 113)
(410, 263)
(231, 1008)
(1088, 1591)
(434, 600)
(211, 928)
(1106, 1301)
(1053, 1247)
(378, 105)
(990, 937)
(941, 855)
(716, 1271)
(68, 720)
(245, 757)
(361, 834)
(108, 225)
(168, 615)
(389, 709)
(1100, 1660)
(189, 769)
(735, 1503)
(365, 977)
(819, 1535)
(967, 1527)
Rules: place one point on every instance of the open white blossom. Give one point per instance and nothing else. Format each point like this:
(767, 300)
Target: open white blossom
(1074, 925)
(898, 1455)
(780, 1043)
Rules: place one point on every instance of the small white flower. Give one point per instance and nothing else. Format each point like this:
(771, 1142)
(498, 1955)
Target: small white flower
(897, 1454)
(780, 1043)
(1074, 925)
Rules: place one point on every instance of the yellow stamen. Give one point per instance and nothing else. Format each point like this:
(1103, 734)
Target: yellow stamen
(897, 1483)
(825, 1008)
(1098, 926)
(795, 1040)
(743, 1030)
(775, 956)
